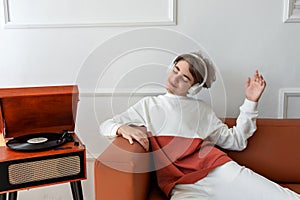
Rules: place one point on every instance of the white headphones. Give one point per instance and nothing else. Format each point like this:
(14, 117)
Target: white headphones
(198, 86)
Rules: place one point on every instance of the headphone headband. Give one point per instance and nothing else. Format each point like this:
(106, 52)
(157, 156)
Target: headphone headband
(204, 66)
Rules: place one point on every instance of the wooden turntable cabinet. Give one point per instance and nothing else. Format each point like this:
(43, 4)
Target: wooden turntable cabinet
(30, 110)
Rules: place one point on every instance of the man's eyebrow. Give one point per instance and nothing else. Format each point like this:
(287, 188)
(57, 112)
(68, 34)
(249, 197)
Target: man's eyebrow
(183, 74)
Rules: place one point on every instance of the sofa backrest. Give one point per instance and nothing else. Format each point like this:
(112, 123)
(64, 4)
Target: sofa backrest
(273, 151)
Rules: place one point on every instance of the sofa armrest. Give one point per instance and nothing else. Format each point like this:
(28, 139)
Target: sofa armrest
(122, 172)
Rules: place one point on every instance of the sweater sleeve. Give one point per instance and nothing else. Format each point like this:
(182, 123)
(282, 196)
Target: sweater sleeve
(132, 116)
(235, 138)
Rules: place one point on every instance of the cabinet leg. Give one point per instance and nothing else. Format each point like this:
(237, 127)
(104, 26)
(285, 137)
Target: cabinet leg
(76, 190)
(3, 196)
(13, 196)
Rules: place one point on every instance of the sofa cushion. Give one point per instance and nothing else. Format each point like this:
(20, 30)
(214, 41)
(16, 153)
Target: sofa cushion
(273, 151)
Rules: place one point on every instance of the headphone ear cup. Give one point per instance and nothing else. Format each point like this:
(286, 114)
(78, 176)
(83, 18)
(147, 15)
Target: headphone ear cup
(195, 89)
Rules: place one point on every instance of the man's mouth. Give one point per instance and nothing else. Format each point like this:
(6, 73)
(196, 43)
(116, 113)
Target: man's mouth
(171, 84)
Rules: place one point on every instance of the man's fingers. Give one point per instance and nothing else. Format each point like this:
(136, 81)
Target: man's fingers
(255, 75)
(143, 141)
(248, 81)
(138, 134)
(129, 138)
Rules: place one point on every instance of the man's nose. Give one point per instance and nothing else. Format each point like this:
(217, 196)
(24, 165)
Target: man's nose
(177, 78)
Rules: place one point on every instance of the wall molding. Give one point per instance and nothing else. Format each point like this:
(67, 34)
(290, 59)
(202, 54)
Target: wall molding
(291, 12)
(168, 16)
(109, 92)
(284, 95)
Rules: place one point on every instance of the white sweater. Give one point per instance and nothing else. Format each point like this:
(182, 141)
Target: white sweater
(171, 115)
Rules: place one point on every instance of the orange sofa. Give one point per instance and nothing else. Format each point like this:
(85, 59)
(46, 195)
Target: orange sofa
(121, 171)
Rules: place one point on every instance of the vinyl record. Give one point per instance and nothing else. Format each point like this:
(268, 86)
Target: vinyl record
(37, 141)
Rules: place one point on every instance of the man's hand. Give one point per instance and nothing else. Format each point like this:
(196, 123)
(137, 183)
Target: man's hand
(135, 133)
(254, 87)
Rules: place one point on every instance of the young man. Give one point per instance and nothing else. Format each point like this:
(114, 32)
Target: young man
(182, 132)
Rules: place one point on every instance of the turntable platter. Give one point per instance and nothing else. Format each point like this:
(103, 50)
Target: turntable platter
(38, 141)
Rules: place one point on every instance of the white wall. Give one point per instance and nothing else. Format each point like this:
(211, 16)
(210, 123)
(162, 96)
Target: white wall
(239, 35)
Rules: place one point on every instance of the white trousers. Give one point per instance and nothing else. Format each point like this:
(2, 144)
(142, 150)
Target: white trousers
(233, 182)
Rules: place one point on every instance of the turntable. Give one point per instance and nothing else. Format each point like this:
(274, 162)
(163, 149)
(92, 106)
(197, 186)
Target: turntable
(38, 146)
